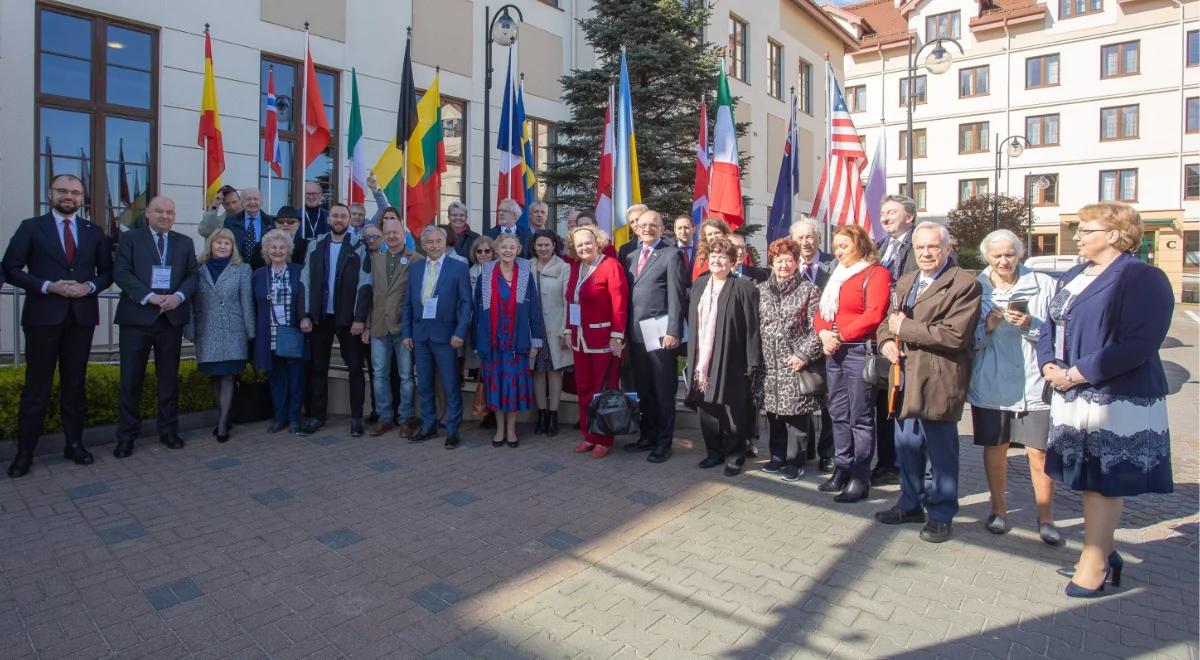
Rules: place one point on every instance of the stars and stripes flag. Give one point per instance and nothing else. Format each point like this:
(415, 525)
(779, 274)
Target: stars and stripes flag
(703, 163)
(271, 151)
(840, 196)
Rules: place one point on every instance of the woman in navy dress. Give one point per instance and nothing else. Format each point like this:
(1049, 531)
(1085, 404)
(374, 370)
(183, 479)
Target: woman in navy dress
(508, 334)
(1108, 412)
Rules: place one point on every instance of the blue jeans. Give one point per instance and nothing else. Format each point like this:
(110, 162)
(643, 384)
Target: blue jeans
(287, 388)
(936, 488)
(382, 351)
(432, 355)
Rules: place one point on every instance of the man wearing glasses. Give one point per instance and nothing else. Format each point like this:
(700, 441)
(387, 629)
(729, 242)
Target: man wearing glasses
(288, 219)
(316, 216)
(62, 262)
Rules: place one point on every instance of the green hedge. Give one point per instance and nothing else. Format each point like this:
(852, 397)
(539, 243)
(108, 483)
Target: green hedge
(103, 395)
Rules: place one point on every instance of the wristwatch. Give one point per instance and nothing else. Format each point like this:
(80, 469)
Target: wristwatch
(1067, 373)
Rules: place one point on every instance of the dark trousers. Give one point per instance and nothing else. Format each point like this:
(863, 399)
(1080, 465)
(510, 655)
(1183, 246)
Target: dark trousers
(724, 432)
(136, 343)
(656, 382)
(937, 489)
(885, 436)
(287, 387)
(432, 357)
(852, 408)
(321, 342)
(820, 442)
(65, 347)
(789, 435)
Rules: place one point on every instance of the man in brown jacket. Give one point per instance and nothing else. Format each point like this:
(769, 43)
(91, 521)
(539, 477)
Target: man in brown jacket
(389, 291)
(930, 330)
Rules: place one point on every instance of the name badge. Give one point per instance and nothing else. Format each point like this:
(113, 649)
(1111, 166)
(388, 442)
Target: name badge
(160, 277)
(1060, 342)
(574, 320)
(430, 309)
(280, 313)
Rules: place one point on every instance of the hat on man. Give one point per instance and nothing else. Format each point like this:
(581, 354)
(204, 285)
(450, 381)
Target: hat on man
(287, 212)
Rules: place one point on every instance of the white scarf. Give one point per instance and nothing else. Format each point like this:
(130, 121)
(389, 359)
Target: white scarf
(833, 288)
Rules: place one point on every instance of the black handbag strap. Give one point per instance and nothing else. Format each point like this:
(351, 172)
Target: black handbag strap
(609, 371)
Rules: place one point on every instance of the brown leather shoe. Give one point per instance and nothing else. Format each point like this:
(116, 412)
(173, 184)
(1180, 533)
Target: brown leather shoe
(406, 429)
(380, 428)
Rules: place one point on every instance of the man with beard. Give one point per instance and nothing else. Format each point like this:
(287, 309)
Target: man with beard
(334, 308)
(62, 262)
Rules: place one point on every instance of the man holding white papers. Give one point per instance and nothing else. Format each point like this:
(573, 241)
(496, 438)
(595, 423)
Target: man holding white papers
(657, 311)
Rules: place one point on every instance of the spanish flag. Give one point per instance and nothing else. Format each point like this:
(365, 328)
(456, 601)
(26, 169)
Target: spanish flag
(426, 160)
(209, 137)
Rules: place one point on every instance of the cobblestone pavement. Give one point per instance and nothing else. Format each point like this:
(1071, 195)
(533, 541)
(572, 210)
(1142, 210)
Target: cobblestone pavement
(331, 546)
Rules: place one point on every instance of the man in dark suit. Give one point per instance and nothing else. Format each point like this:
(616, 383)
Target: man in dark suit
(335, 306)
(508, 212)
(434, 323)
(684, 230)
(656, 289)
(156, 270)
(249, 226)
(315, 222)
(743, 269)
(817, 266)
(62, 262)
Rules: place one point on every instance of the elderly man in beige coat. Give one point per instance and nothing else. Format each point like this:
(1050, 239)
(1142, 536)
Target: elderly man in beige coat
(388, 280)
(929, 331)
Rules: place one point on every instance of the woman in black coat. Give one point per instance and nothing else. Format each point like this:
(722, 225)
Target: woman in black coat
(724, 353)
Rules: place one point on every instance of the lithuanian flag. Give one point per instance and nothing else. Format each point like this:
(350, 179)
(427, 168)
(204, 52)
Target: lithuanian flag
(426, 159)
(209, 135)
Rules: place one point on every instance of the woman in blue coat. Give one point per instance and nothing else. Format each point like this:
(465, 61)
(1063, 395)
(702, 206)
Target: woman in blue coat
(508, 334)
(279, 299)
(1108, 413)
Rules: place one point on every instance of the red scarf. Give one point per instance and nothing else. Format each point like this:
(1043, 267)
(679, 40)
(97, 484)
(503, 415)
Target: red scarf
(506, 307)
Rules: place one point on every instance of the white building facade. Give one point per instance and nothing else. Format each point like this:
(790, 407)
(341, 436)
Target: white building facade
(1106, 92)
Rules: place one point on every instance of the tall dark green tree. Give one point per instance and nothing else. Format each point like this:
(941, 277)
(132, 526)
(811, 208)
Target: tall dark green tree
(670, 67)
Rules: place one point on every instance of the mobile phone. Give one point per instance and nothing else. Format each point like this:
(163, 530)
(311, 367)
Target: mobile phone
(1019, 305)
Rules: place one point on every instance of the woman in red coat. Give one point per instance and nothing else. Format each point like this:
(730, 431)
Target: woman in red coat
(853, 304)
(597, 308)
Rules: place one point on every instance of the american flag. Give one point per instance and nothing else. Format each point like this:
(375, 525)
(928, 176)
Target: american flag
(271, 141)
(840, 196)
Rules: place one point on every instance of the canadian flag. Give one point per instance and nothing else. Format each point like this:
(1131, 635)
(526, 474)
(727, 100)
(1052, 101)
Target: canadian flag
(604, 183)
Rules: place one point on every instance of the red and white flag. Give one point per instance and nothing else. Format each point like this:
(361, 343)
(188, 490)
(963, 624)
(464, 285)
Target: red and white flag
(700, 188)
(725, 179)
(271, 152)
(604, 183)
(316, 125)
(841, 199)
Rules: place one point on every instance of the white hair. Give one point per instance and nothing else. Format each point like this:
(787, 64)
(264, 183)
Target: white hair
(804, 221)
(943, 233)
(1002, 235)
(510, 206)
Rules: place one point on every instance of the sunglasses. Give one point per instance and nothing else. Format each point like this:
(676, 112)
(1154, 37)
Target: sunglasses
(286, 221)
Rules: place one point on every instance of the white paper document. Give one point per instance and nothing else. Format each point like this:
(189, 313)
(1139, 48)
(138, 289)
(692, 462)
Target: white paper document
(653, 331)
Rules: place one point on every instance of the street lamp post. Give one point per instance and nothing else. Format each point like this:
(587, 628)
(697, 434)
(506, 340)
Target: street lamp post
(937, 63)
(502, 29)
(1016, 147)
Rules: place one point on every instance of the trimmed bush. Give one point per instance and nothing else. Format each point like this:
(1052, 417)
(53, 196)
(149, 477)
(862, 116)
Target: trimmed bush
(103, 395)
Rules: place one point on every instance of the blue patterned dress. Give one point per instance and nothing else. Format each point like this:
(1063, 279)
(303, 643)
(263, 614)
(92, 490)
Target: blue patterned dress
(509, 383)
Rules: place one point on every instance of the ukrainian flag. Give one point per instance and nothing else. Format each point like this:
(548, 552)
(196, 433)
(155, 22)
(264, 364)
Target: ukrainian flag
(627, 189)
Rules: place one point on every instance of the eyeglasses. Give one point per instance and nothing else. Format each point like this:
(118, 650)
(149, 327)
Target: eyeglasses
(286, 221)
(372, 238)
(66, 191)
(483, 251)
(1085, 232)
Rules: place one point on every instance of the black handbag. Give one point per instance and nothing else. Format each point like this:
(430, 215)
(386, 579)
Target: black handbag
(875, 368)
(289, 342)
(613, 412)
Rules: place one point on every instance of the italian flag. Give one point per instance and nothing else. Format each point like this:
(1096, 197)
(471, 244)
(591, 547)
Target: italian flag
(725, 180)
(357, 146)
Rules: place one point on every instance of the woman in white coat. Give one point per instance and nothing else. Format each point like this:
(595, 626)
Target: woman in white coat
(552, 275)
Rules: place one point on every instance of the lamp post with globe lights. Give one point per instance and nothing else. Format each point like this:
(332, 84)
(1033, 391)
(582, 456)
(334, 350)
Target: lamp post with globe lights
(1043, 182)
(1016, 147)
(499, 28)
(937, 63)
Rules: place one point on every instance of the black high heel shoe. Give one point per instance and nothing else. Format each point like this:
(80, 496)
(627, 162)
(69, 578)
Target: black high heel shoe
(1116, 563)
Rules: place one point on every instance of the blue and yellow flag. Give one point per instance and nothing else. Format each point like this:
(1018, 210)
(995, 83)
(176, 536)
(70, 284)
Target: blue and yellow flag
(627, 189)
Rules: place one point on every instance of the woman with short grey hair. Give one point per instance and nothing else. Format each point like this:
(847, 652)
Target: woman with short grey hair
(1006, 381)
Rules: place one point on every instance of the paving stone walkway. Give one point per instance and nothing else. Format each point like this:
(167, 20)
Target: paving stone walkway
(273, 546)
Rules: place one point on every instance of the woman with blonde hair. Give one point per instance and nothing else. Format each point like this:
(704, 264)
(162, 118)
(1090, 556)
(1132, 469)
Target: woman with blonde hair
(1098, 354)
(222, 320)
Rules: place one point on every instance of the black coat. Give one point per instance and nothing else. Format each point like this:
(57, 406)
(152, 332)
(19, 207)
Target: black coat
(35, 256)
(464, 242)
(755, 274)
(737, 344)
(349, 301)
(236, 223)
(137, 255)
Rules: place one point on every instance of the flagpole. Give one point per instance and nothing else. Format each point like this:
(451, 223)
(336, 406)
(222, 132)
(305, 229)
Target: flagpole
(828, 147)
(303, 134)
(612, 217)
(204, 168)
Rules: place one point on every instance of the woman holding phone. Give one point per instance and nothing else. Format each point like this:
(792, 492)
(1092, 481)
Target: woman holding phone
(1006, 381)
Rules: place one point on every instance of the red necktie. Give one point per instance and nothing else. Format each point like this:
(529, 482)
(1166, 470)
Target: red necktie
(68, 241)
(643, 259)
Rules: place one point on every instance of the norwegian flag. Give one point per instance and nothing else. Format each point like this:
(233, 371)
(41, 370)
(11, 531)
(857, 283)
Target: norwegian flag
(703, 163)
(271, 153)
(840, 196)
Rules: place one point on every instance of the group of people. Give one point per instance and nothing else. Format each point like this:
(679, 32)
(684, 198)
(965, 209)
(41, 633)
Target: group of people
(863, 359)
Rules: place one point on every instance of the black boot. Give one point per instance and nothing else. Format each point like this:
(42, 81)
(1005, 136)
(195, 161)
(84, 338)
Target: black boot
(856, 490)
(551, 423)
(540, 427)
(835, 483)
